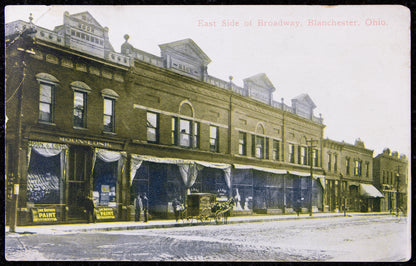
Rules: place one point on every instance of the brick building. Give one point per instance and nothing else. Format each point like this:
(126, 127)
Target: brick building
(91, 122)
(391, 178)
(349, 176)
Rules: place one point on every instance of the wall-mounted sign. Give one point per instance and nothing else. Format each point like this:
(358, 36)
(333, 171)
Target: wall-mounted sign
(85, 142)
(44, 215)
(105, 213)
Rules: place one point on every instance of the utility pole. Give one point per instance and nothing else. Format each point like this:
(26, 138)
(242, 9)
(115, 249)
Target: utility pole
(311, 147)
(397, 190)
(343, 193)
(22, 38)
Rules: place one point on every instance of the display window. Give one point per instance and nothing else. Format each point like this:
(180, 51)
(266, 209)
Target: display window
(46, 172)
(107, 171)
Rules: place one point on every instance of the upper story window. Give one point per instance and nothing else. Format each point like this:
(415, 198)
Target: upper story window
(80, 99)
(303, 156)
(347, 166)
(329, 161)
(384, 177)
(242, 143)
(109, 115)
(259, 142)
(276, 150)
(315, 158)
(335, 163)
(185, 133)
(47, 85)
(367, 169)
(80, 103)
(213, 139)
(357, 168)
(110, 97)
(291, 153)
(152, 125)
(46, 102)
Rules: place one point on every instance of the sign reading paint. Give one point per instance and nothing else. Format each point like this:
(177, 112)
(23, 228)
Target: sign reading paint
(44, 215)
(105, 213)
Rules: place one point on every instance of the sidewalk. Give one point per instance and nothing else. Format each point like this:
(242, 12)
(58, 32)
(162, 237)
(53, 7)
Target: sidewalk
(110, 226)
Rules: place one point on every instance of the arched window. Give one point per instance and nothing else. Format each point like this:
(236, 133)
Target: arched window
(260, 147)
(185, 130)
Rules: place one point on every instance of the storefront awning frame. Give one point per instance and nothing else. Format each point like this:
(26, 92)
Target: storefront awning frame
(370, 191)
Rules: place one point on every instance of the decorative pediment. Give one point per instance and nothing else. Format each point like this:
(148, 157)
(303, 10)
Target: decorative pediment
(261, 81)
(186, 49)
(304, 99)
(86, 17)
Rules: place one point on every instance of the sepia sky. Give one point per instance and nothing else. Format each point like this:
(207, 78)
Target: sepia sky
(353, 61)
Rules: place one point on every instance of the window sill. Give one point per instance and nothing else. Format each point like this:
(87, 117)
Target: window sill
(109, 133)
(46, 123)
(80, 128)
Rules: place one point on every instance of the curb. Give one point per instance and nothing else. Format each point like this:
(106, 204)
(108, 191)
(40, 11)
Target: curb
(142, 226)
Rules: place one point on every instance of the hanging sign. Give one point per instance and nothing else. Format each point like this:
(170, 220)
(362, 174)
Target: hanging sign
(105, 213)
(44, 215)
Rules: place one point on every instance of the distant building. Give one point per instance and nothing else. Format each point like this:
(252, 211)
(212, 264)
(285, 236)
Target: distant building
(349, 176)
(391, 178)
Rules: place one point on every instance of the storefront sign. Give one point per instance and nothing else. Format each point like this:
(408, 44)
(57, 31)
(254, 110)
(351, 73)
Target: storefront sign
(105, 213)
(44, 215)
(86, 142)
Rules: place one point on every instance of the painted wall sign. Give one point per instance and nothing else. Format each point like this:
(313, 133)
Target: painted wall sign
(85, 142)
(105, 213)
(44, 215)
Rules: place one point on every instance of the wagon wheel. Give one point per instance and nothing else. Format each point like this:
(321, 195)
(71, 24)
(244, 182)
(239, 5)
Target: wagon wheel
(219, 217)
(204, 216)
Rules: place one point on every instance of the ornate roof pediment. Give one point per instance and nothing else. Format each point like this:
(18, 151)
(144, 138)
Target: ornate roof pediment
(304, 99)
(186, 48)
(86, 17)
(261, 80)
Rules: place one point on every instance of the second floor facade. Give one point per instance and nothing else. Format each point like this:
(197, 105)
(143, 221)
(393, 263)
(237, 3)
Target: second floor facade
(352, 162)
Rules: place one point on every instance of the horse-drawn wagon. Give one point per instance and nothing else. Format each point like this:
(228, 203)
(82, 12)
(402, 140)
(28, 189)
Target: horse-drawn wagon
(204, 207)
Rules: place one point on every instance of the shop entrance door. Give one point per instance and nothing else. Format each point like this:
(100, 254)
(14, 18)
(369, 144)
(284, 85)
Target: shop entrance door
(78, 182)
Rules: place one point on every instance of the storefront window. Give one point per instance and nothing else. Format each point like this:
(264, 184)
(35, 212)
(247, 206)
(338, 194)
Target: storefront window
(45, 172)
(107, 171)
(105, 182)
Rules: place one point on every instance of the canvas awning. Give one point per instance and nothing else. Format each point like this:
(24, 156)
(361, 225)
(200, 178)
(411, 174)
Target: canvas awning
(299, 173)
(369, 191)
(263, 169)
